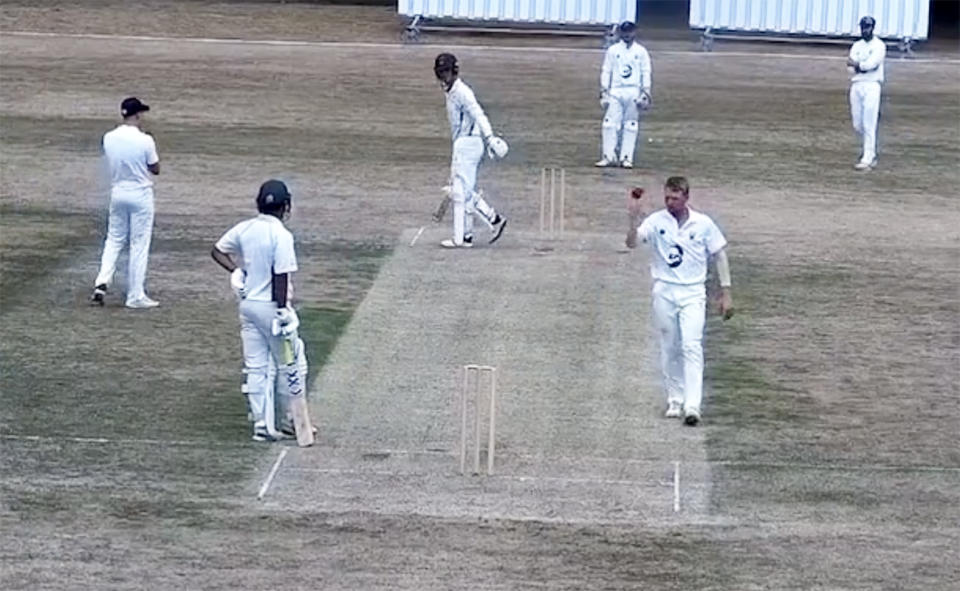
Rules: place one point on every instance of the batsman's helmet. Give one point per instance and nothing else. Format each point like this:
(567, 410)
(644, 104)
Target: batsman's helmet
(444, 62)
(273, 197)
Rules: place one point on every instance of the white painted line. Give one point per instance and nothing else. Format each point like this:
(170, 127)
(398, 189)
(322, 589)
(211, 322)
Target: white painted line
(511, 477)
(594, 459)
(430, 47)
(676, 487)
(419, 232)
(124, 441)
(273, 472)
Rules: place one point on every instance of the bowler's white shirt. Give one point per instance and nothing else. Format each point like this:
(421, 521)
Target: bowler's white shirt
(870, 55)
(680, 253)
(465, 113)
(128, 152)
(626, 67)
(264, 247)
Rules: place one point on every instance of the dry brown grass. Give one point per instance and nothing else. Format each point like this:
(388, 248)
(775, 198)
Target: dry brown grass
(844, 356)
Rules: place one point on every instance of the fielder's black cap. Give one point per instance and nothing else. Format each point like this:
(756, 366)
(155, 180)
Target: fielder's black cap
(273, 192)
(867, 21)
(131, 106)
(627, 26)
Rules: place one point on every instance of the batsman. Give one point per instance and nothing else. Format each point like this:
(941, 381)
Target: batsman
(471, 131)
(260, 256)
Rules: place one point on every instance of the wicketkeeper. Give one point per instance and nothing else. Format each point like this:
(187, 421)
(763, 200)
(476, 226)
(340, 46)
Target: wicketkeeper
(626, 79)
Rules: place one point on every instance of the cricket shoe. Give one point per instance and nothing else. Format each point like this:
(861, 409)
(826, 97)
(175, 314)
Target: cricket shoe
(142, 303)
(626, 163)
(865, 165)
(691, 417)
(449, 243)
(98, 292)
(674, 410)
(604, 163)
(260, 433)
(498, 225)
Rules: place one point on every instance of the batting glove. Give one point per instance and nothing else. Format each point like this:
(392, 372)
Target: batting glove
(238, 283)
(497, 148)
(286, 323)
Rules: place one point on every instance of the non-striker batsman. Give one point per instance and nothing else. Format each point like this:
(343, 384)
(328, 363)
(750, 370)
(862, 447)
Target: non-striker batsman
(259, 254)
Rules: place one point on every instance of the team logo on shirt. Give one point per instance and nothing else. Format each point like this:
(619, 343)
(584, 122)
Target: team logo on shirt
(674, 256)
(626, 71)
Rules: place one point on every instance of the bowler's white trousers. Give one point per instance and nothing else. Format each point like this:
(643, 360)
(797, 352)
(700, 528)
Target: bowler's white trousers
(467, 154)
(622, 114)
(679, 313)
(865, 113)
(131, 218)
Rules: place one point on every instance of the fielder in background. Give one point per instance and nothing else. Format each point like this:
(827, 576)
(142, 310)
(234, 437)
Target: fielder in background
(470, 130)
(866, 68)
(626, 79)
(131, 156)
(682, 242)
(259, 254)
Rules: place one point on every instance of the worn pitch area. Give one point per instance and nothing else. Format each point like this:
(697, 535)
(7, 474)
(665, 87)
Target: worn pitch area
(580, 434)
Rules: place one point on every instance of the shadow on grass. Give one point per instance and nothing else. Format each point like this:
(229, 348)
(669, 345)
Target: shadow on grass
(34, 242)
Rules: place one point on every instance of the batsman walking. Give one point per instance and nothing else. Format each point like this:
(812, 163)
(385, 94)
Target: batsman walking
(259, 254)
(682, 243)
(470, 130)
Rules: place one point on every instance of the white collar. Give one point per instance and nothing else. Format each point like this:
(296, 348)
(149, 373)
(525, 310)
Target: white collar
(270, 218)
(452, 86)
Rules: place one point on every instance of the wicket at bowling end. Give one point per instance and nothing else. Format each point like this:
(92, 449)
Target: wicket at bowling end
(552, 220)
(472, 390)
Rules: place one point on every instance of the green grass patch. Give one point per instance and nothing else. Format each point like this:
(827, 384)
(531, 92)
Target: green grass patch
(34, 242)
(320, 328)
(141, 379)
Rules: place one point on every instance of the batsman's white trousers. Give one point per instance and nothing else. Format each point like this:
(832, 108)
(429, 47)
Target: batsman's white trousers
(679, 313)
(131, 218)
(467, 154)
(259, 344)
(621, 119)
(865, 112)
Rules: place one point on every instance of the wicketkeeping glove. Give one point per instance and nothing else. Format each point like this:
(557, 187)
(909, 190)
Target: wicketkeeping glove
(604, 99)
(644, 101)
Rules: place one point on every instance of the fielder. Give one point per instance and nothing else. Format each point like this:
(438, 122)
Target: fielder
(131, 156)
(470, 130)
(866, 68)
(259, 254)
(682, 242)
(626, 79)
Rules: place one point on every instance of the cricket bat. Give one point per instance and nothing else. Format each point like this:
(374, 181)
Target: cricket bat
(298, 402)
(441, 210)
